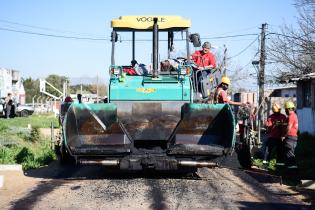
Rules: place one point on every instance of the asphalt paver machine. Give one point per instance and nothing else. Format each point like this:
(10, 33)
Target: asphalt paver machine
(150, 121)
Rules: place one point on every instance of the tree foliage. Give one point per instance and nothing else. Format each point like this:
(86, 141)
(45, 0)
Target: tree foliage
(87, 89)
(31, 87)
(58, 82)
(293, 50)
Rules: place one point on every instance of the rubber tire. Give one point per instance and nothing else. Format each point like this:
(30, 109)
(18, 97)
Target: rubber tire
(57, 149)
(24, 113)
(65, 157)
(244, 157)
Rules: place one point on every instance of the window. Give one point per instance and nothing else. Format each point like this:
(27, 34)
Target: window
(306, 94)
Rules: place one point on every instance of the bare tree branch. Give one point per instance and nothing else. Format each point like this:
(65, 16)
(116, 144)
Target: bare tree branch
(294, 49)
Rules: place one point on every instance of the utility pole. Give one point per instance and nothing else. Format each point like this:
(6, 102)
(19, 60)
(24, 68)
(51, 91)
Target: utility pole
(224, 60)
(261, 77)
(97, 88)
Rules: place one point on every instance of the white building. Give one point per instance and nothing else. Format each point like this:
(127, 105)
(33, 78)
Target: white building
(288, 91)
(306, 102)
(10, 82)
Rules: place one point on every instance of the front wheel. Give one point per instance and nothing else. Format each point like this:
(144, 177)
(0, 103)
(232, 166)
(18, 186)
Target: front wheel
(65, 157)
(24, 113)
(244, 156)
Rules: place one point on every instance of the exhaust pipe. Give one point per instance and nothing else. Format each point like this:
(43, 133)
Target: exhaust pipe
(155, 47)
(99, 162)
(197, 164)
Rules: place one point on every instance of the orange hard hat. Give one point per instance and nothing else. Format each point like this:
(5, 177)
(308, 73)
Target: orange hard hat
(276, 107)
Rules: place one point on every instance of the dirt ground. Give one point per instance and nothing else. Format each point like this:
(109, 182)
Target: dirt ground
(58, 187)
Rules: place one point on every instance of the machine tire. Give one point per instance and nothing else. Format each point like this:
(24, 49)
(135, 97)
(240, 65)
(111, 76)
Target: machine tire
(244, 156)
(57, 149)
(65, 157)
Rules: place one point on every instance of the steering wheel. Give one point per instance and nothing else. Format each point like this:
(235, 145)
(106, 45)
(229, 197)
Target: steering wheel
(182, 58)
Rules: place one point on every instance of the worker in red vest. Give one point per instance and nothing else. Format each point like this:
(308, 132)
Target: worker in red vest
(291, 135)
(275, 126)
(204, 59)
(203, 64)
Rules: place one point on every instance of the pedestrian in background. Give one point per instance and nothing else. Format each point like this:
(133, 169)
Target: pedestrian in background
(8, 105)
(290, 139)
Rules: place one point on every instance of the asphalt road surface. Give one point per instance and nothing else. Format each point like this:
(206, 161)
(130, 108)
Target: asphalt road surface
(58, 187)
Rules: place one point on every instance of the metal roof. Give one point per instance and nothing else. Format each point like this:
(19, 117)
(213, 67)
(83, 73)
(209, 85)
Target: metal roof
(304, 77)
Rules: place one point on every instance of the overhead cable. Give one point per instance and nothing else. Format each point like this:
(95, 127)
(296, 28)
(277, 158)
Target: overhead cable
(248, 46)
(53, 35)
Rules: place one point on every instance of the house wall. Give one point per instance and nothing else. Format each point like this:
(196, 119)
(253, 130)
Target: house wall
(245, 97)
(306, 118)
(10, 82)
(288, 92)
(306, 108)
(5, 82)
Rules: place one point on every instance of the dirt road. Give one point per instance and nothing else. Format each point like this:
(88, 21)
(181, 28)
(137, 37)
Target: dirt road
(56, 187)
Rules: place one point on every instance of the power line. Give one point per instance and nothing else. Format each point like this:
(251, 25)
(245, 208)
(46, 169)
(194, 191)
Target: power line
(248, 46)
(240, 30)
(54, 35)
(291, 37)
(230, 36)
(39, 27)
(91, 38)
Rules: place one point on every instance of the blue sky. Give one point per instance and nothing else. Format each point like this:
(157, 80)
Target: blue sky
(39, 56)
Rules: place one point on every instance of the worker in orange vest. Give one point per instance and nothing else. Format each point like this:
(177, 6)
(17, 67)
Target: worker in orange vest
(220, 95)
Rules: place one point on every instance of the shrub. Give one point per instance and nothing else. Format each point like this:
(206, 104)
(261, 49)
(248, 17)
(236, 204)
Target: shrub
(24, 155)
(18, 144)
(35, 135)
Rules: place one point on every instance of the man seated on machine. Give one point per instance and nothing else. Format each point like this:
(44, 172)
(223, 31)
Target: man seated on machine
(204, 59)
(203, 62)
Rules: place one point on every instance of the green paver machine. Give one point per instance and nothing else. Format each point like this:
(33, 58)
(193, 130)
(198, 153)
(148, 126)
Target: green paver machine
(153, 120)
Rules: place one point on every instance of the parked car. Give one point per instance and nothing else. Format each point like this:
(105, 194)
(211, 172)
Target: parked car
(24, 110)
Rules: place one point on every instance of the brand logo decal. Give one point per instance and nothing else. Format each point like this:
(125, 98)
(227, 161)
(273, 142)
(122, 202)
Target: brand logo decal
(146, 90)
(150, 19)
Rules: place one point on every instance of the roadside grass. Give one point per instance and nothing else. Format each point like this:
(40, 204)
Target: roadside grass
(36, 120)
(21, 145)
(270, 166)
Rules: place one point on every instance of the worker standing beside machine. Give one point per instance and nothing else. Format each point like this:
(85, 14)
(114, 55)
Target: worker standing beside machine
(275, 125)
(290, 139)
(220, 95)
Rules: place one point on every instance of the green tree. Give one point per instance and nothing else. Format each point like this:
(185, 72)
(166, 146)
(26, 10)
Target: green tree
(57, 81)
(31, 87)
